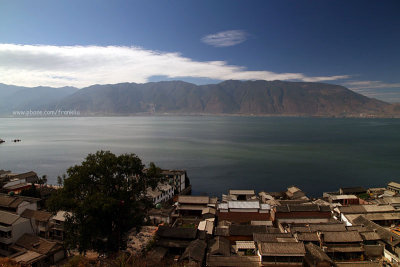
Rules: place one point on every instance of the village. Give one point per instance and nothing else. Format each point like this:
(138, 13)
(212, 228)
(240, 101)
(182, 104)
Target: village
(351, 227)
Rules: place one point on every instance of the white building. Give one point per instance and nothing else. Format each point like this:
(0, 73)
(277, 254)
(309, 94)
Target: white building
(162, 193)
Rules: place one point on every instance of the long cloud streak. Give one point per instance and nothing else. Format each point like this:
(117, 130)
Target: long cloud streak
(80, 66)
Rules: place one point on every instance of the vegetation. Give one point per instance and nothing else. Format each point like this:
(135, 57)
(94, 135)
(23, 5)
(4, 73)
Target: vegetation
(105, 197)
(31, 192)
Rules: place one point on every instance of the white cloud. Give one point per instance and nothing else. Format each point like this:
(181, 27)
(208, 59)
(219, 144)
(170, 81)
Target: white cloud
(358, 85)
(80, 66)
(226, 38)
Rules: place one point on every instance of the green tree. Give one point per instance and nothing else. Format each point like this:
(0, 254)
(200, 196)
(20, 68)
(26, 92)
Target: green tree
(105, 197)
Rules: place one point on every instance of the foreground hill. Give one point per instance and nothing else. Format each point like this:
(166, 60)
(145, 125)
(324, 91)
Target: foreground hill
(228, 97)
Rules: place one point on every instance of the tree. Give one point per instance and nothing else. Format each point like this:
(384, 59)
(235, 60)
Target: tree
(105, 197)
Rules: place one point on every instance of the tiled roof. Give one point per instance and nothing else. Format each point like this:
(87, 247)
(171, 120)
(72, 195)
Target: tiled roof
(270, 237)
(282, 249)
(37, 244)
(38, 215)
(247, 230)
(193, 199)
(8, 218)
(342, 237)
(183, 233)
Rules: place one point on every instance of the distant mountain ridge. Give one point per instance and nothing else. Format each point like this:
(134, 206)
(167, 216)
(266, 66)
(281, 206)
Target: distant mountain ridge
(13, 98)
(228, 97)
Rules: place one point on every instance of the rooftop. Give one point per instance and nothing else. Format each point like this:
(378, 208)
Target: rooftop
(8, 218)
(281, 249)
(193, 199)
(243, 204)
(242, 192)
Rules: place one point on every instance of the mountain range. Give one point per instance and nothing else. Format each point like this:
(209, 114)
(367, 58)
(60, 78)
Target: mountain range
(178, 97)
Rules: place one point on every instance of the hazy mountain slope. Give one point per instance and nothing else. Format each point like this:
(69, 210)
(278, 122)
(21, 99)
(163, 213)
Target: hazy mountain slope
(229, 97)
(14, 98)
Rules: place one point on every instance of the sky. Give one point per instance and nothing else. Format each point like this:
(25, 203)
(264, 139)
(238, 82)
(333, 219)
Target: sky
(79, 43)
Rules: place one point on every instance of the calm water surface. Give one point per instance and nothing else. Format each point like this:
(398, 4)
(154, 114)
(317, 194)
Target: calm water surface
(219, 153)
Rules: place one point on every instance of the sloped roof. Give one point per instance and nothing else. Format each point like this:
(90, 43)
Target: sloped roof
(317, 253)
(394, 184)
(342, 237)
(247, 230)
(195, 251)
(270, 237)
(387, 236)
(37, 244)
(370, 236)
(220, 246)
(8, 217)
(302, 208)
(28, 257)
(327, 227)
(365, 208)
(25, 175)
(307, 237)
(38, 215)
(178, 233)
(281, 249)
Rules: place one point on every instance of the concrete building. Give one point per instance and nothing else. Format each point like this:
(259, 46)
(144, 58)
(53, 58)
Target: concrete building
(177, 178)
(162, 193)
(12, 227)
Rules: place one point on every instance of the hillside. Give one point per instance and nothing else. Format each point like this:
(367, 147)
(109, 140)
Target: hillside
(228, 97)
(16, 98)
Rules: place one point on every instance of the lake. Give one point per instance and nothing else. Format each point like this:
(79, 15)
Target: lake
(218, 152)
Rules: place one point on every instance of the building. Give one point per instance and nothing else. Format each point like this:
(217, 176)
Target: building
(162, 193)
(32, 250)
(344, 199)
(294, 192)
(281, 253)
(177, 178)
(390, 240)
(57, 225)
(175, 239)
(352, 190)
(40, 221)
(342, 246)
(17, 204)
(244, 212)
(194, 253)
(394, 187)
(12, 227)
(316, 257)
(302, 212)
(193, 205)
(242, 194)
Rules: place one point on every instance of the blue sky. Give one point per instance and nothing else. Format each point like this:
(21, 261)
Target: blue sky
(78, 43)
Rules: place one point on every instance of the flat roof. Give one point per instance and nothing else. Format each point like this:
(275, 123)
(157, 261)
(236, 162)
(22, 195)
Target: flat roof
(245, 245)
(242, 192)
(194, 199)
(243, 204)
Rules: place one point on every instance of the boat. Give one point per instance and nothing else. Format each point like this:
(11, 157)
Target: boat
(1, 141)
